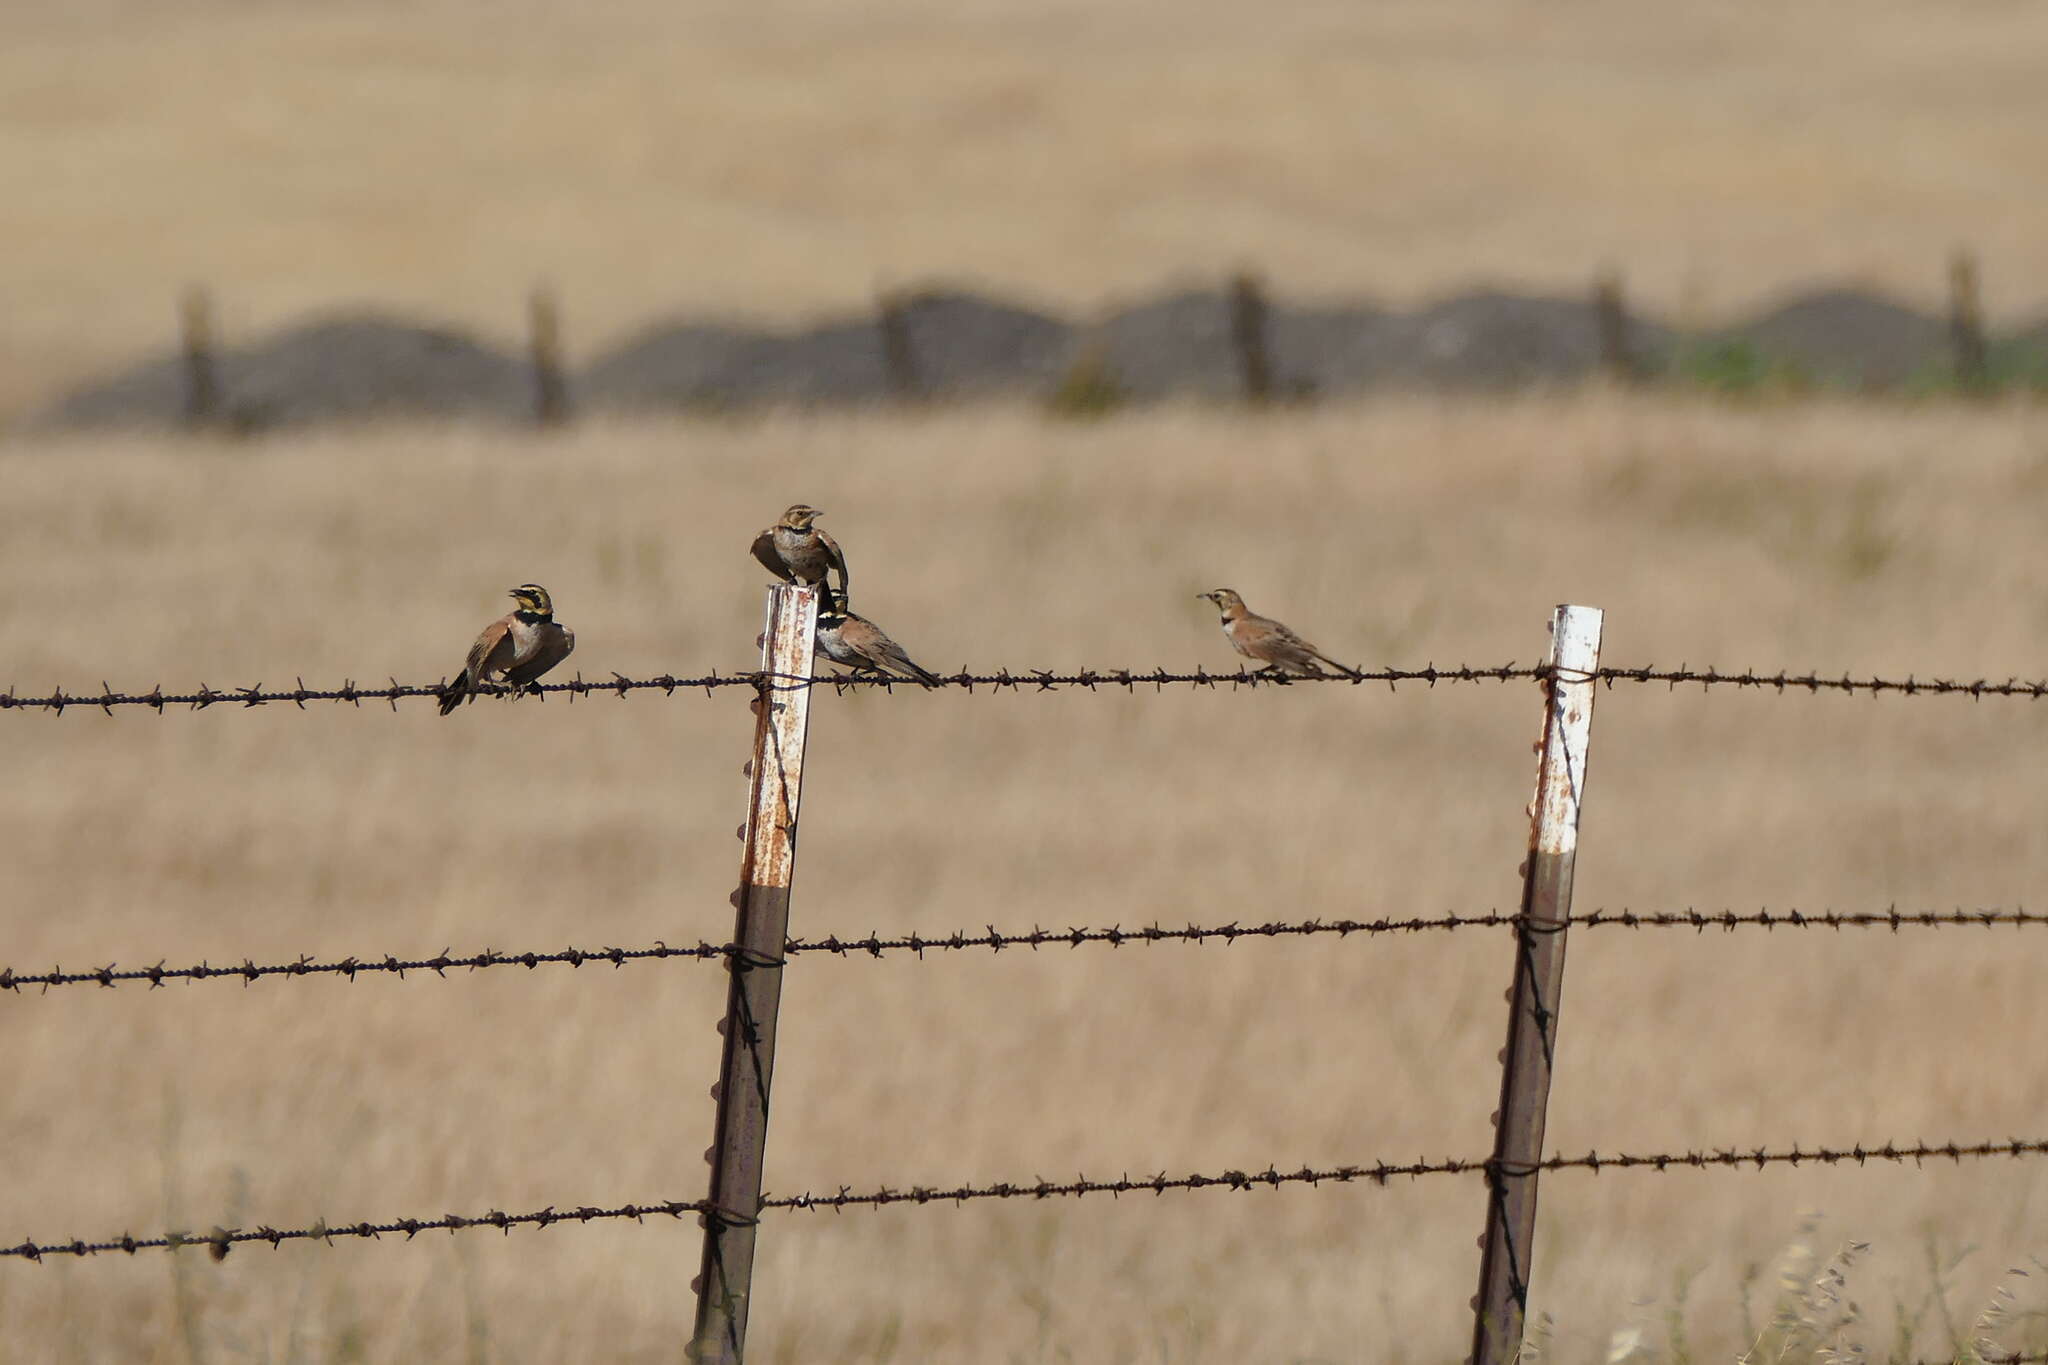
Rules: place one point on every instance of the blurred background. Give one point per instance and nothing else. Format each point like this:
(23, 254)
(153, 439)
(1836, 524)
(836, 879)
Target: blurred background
(323, 325)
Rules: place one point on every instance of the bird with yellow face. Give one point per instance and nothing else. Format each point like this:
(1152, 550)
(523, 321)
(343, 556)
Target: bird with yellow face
(518, 647)
(859, 644)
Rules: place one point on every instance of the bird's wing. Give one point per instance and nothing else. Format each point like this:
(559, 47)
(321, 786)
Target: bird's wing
(553, 647)
(1257, 637)
(903, 663)
(1282, 634)
(1291, 652)
(1264, 639)
(492, 652)
(836, 560)
(864, 638)
(1294, 643)
(879, 650)
(764, 550)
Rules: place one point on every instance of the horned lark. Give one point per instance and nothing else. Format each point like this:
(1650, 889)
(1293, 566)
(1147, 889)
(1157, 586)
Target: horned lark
(519, 647)
(859, 644)
(795, 551)
(1266, 641)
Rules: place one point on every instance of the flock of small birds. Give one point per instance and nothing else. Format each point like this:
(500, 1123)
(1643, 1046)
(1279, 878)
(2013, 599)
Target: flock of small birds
(518, 648)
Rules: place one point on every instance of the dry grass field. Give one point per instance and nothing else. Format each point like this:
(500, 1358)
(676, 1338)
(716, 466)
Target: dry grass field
(784, 158)
(1895, 540)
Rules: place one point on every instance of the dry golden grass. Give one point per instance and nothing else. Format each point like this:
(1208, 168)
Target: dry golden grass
(782, 158)
(1864, 539)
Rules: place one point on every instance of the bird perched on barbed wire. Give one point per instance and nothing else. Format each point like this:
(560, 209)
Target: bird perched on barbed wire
(859, 644)
(519, 647)
(796, 551)
(1264, 640)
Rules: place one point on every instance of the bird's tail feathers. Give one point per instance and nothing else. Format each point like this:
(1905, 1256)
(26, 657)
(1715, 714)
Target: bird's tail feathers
(453, 694)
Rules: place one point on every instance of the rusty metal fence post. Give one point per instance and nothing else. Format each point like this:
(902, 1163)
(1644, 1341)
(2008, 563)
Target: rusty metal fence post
(782, 710)
(1531, 1052)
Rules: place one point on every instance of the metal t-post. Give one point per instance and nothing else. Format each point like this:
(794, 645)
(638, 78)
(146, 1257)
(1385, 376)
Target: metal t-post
(782, 710)
(1504, 1271)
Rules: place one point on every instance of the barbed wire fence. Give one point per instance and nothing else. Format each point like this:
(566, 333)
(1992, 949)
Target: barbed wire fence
(1032, 680)
(761, 947)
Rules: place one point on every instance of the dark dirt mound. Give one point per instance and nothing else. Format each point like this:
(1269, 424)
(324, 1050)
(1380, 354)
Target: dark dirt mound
(349, 367)
(951, 343)
(964, 344)
(1336, 349)
(1850, 337)
(956, 344)
(679, 365)
(1495, 340)
(1183, 344)
(1175, 345)
(2032, 341)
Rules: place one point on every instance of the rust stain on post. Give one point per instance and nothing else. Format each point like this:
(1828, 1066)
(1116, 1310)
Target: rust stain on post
(782, 710)
(1504, 1271)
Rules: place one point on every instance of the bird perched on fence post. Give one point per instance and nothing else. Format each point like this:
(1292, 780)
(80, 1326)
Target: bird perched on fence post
(519, 647)
(796, 551)
(859, 644)
(1264, 640)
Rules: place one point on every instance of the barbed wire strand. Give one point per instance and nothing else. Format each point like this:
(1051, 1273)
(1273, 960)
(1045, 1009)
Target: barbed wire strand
(996, 940)
(1042, 680)
(219, 1240)
(1383, 1173)
(1032, 680)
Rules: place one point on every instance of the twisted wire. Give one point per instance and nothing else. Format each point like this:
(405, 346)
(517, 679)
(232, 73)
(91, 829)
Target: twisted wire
(997, 940)
(1036, 680)
(220, 1240)
(1031, 680)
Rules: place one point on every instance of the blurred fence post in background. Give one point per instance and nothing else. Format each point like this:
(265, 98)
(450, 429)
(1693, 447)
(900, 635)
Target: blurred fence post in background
(1966, 323)
(782, 707)
(1610, 322)
(899, 357)
(1249, 317)
(1504, 1270)
(544, 334)
(195, 344)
